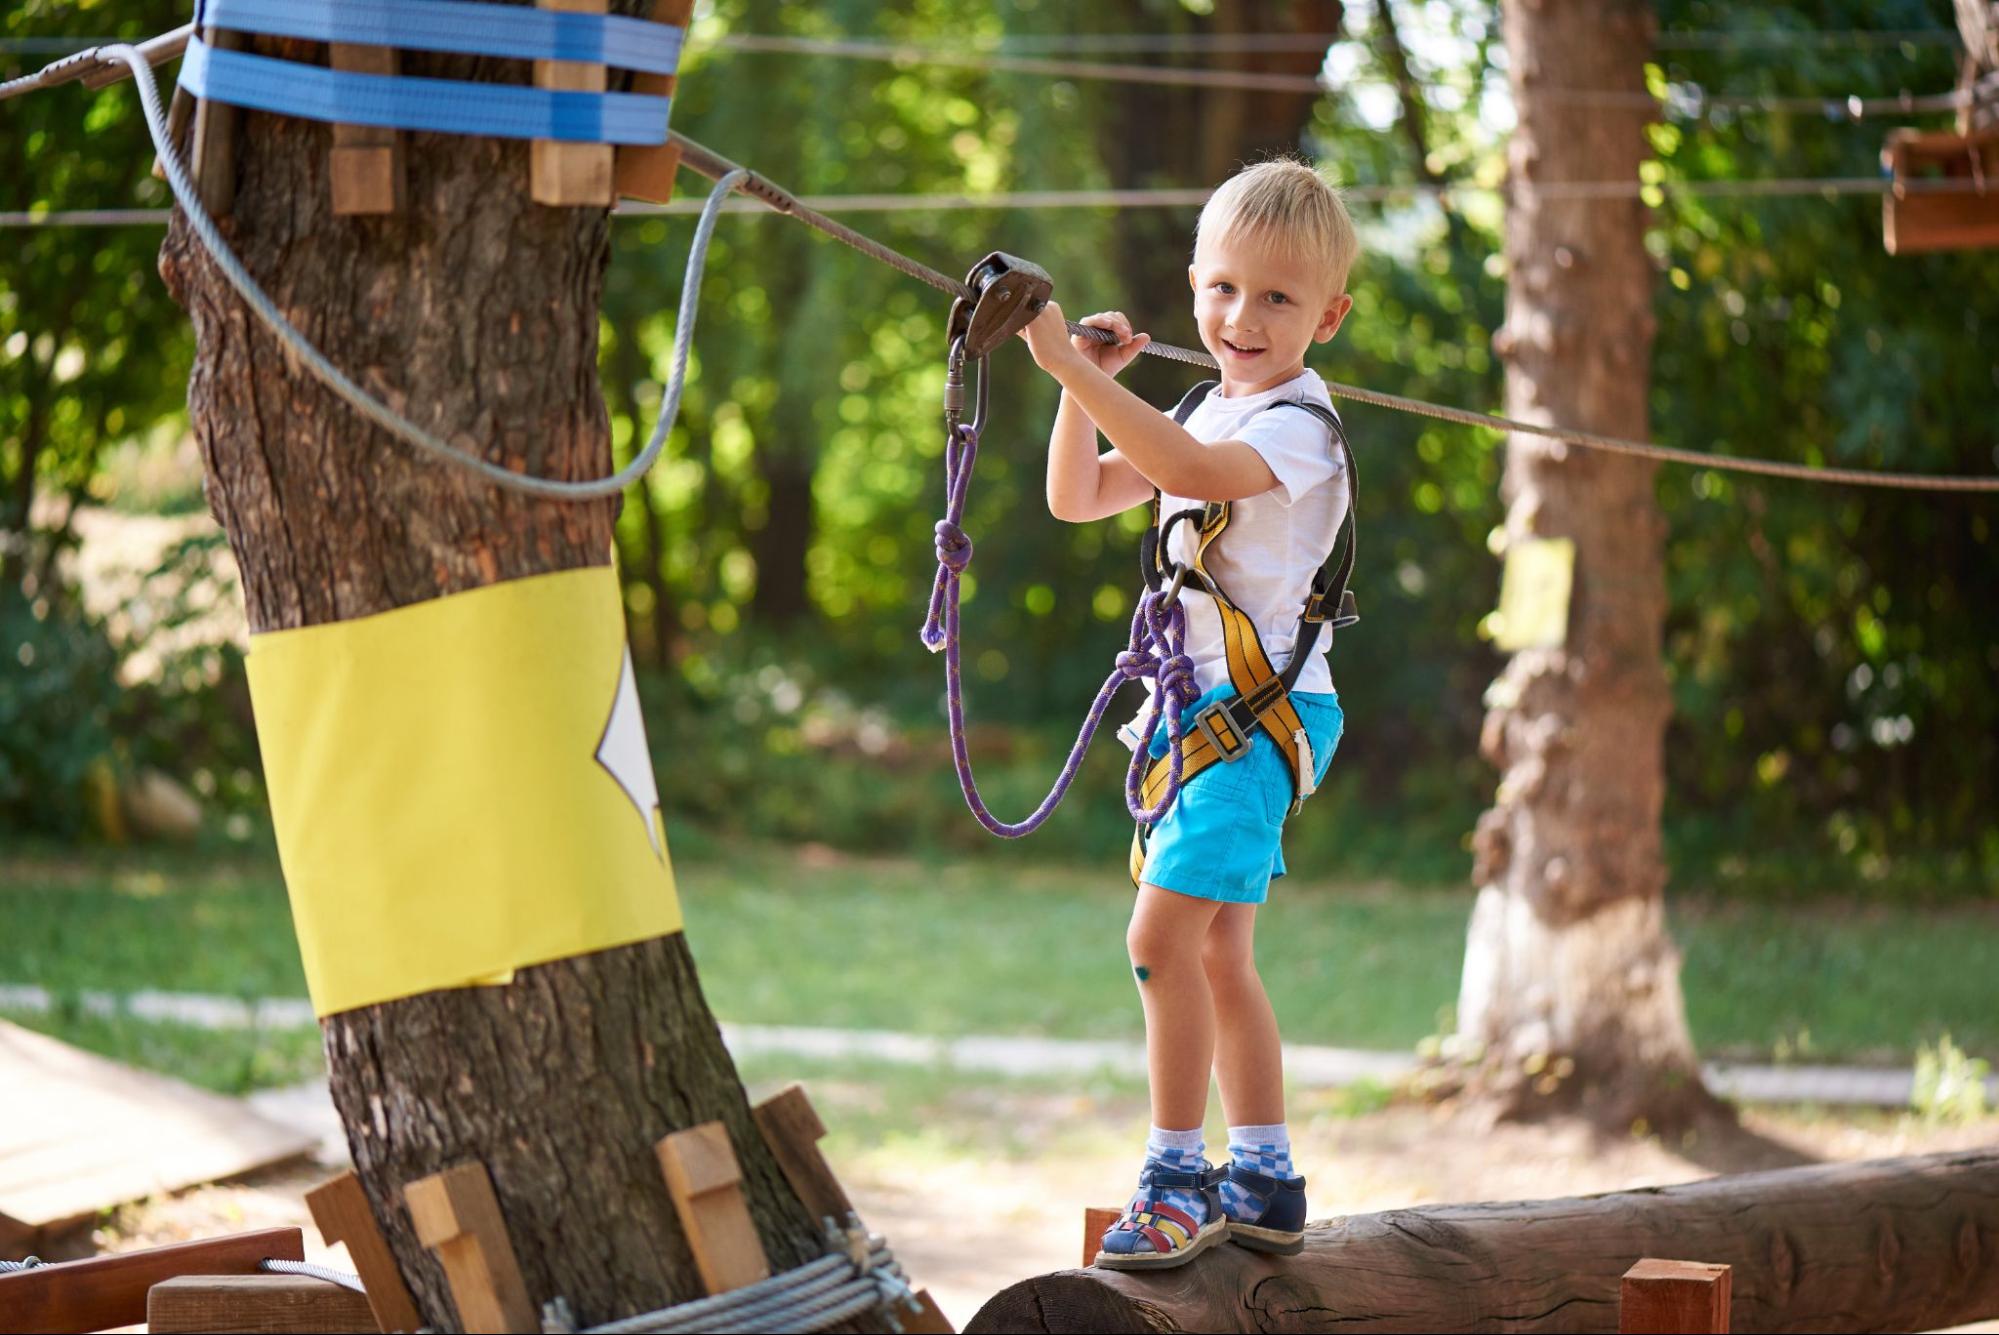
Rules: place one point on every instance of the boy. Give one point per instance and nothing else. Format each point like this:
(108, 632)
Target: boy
(1271, 255)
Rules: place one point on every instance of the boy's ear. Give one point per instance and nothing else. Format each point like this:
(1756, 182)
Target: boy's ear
(1329, 323)
(1191, 284)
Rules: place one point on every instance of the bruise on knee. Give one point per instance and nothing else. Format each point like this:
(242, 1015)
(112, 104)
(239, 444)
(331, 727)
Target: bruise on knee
(1140, 972)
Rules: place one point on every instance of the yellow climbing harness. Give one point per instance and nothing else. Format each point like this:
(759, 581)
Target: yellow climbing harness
(1224, 728)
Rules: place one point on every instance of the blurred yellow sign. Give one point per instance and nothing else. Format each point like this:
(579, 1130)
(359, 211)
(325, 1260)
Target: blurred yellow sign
(1534, 594)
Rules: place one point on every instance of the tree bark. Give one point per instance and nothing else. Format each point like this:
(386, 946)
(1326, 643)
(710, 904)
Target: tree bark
(1897, 1244)
(474, 312)
(1571, 994)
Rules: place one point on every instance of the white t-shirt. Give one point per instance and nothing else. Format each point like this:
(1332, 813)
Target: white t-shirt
(1276, 540)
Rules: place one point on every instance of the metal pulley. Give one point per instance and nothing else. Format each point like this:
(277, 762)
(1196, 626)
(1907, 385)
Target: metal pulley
(1010, 291)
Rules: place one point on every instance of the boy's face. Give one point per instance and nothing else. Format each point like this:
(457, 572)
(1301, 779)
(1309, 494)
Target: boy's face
(1258, 312)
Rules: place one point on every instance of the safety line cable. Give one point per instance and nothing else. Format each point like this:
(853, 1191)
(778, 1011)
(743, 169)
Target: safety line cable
(1008, 201)
(730, 176)
(712, 165)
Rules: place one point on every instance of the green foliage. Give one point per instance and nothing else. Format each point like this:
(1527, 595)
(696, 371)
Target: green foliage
(58, 692)
(1950, 1086)
(91, 349)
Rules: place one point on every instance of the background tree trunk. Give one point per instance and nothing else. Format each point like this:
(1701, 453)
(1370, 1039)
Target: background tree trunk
(1571, 984)
(474, 312)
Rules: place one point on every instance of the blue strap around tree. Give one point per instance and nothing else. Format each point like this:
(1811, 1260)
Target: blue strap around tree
(446, 106)
(516, 31)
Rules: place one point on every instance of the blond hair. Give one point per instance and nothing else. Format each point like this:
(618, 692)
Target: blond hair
(1286, 204)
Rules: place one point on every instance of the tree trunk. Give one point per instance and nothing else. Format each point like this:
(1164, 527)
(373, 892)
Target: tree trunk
(1571, 988)
(1898, 1244)
(475, 312)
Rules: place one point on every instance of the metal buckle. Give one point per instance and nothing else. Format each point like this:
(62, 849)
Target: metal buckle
(1205, 723)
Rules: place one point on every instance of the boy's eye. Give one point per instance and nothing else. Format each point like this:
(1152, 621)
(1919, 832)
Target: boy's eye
(1226, 289)
(1279, 298)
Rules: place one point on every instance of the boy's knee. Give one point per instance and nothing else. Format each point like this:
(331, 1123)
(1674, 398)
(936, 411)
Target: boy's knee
(1152, 945)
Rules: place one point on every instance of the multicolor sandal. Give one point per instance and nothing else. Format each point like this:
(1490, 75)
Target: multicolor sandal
(1172, 1234)
(1279, 1218)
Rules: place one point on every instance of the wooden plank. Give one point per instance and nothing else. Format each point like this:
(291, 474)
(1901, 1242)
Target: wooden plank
(81, 1134)
(1671, 1297)
(928, 1319)
(705, 1182)
(1097, 1221)
(792, 1130)
(564, 173)
(212, 160)
(366, 165)
(107, 1291)
(457, 1216)
(241, 1303)
(1918, 223)
(340, 1208)
(646, 171)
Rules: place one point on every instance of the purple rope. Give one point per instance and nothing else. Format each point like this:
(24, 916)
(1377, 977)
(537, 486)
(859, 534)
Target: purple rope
(1157, 650)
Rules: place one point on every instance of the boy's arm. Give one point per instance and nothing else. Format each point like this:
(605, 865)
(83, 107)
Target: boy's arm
(1082, 484)
(1151, 444)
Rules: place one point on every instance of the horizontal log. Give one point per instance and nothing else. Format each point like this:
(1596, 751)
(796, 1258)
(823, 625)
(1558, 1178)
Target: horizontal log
(1893, 1244)
(106, 1291)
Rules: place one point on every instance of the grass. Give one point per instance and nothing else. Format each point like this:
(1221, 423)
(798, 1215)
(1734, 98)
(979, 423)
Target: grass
(1002, 945)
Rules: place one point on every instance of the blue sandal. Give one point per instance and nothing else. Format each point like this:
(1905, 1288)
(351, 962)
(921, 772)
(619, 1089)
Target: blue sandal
(1279, 1226)
(1172, 1235)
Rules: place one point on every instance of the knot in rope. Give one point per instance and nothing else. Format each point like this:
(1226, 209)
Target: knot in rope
(1176, 673)
(1136, 663)
(954, 549)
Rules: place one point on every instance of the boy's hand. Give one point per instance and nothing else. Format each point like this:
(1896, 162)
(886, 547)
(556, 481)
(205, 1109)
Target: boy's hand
(1048, 338)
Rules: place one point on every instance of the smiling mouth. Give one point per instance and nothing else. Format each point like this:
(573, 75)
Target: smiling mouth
(1240, 350)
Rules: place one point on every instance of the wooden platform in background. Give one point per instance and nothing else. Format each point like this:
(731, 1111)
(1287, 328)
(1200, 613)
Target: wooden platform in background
(80, 1134)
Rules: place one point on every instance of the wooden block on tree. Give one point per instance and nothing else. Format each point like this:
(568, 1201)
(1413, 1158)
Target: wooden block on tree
(212, 160)
(929, 1319)
(565, 173)
(366, 165)
(179, 112)
(792, 1130)
(107, 1291)
(1674, 1298)
(1097, 1221)
(645, 171)
(457, 1216)
(274, 1303)
(340, 1208)
(705, 1182)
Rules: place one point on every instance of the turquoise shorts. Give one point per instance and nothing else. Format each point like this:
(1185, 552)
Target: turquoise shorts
(1223, 837)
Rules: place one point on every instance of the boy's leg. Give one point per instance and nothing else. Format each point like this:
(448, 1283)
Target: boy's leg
(1175, 1212)
(1165, 941)
(1264, 1196)
(1249, 1060)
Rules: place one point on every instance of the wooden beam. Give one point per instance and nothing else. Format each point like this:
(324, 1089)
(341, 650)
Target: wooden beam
(263, 1303)
(366, 165)
(212, 160)
(340, 1208)
(1673, 1298)
(457, 1216)
(107, 1291)
(792, 1129)
(563, 173)
(645, 171)
(705, 1182)
(1895, 1244)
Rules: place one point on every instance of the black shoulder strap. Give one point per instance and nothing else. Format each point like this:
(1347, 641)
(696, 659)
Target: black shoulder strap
(1193, 399)
(1151, 546)
(1330, 600)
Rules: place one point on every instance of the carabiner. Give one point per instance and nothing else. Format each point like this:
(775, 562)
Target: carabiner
(954, 390)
